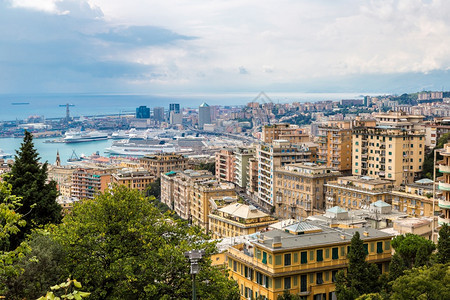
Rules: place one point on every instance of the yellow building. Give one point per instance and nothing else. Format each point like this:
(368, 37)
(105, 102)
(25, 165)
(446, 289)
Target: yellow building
(163, 163)
(302, 259)
(133, 179)
(237, 219)
(299, 189)
(391, 153)
(444, 185)
(415, 199)
(62, 175)
(202, 192)
(291, 133)
(355, 192)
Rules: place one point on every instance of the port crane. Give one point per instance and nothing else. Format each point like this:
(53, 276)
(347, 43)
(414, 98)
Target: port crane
(67, 105)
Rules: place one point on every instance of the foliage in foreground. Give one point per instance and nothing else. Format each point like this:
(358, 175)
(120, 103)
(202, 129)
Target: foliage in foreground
(65, 290)
(121, 247)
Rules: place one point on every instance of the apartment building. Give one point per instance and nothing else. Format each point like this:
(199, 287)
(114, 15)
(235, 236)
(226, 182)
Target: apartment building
(252, 176)
(291, 133)
(202, 192)
(415, 199)
(238, 219)
(399, 119)
(335, 150)
(299, 189)
(163, 163)
(62, 175)
(134, 179)
(435, 130)
(89, 182)
(355, 192)
(444, 185)
(274, 155)
(241, 165)
(302, 259)
(225, 165)
(177, 189)
(392, 153)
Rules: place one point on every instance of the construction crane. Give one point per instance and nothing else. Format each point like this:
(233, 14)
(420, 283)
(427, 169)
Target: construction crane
(67, 105)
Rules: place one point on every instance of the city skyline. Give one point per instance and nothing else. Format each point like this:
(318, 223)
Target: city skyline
(193, 47)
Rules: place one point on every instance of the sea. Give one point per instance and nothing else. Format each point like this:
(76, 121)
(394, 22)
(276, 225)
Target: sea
(21, 106)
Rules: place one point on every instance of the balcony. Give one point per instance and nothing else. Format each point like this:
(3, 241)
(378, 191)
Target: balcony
(444, 186)
(444, 169)
(443, 220)
(444, 204)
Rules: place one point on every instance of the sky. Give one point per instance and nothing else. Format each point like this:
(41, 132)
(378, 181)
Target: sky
(198, 46)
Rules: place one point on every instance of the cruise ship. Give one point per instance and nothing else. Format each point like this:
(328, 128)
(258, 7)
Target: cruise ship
(84, 136)
(137, 147)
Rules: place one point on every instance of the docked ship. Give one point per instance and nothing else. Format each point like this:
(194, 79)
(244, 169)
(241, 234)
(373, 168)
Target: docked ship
(84, 136)
(137, 147)
(4, 155)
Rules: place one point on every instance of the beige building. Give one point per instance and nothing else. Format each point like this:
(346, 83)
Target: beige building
(335, 140)
(202, 193)
(177, 189)
(444, 185)
(274, 155)
(299, 189)
(291, 133)
(355, 192)
(163, 163)
(241, 165)
(399, 119)
(391, 153)
(62, 175)
(419, 226)
(133, 179)
(225, 165)
(415, 199)
(238, 219)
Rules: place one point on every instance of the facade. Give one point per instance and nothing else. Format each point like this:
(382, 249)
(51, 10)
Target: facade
(252, 176)
(177, 189)
(399, 119)
(142, 112)
(299, 189)
(88, 182)
(436, 130)
(335, 140)
(302, 259)
(175, 107)
(444, 185)
(158, 114)
(237, 219)
(354, 192)
(133, 179)
(62, 175)
(225, 160)
(204, 115)
(390, 153)
(415, 199)
(241, 165)
(202, 193)
(283, 131)
(274, 155)
(163, 163)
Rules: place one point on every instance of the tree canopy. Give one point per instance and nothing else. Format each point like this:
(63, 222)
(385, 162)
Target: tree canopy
(443, 245)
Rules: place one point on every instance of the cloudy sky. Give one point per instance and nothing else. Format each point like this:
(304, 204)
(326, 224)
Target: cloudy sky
(194, 46)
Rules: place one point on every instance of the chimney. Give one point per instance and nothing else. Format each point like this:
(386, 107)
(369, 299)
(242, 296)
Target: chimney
(366, 233)
(342, 237)
(276, 242)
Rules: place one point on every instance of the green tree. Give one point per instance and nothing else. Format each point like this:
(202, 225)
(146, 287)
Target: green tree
(122, 247)
(423, 283)
(10, 224)
(361, 277)
(414, 250)
(428, 162)
(443, 245)
(211, 167)
(42, 267)
(371, 296)
(154, 189)
(288, 296)
(29, 181)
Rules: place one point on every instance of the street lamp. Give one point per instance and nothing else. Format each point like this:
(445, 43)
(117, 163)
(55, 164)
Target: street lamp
(194, 257)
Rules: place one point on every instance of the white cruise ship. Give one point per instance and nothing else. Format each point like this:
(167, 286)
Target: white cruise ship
(84, 136)
(139, 147)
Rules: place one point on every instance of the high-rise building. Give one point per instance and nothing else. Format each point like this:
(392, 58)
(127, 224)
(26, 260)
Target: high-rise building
(335, 151)
(174, 107)
(301, 259)
(158, 114)
(204, 115)
(163, 163)
(142, 112)
(283, 131)
(89, 182)
(241, 165)
(444, 185)
(225, 165)
(299, 189)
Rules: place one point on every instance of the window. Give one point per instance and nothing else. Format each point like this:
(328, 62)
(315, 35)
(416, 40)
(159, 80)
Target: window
(372, 247)
(264, 257)
(333, 275)
(303, 283)
(277, 283)
(366, 248)
(278, 259)
(379, 247)
(327, 253)
(320, 255)
(287, 283)
(287, 259)
(311, 255)
(342, 251)
(304, 257)
(387, 245)
(335, 253)
(319, 278)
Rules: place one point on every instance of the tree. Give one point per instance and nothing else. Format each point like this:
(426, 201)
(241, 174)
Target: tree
(42, 267)
(288, 296)
(371, 296)
(423, 283)
(428, 162)
(28, 181)
(361, 277)
(122, 247)
(10, 224)
(211, 167)
(443, 245)
(154, 189)
(413, 250)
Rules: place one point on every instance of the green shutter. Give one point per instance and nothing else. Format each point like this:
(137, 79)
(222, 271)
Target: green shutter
(295, 257)
(387, 245)
(366, 248)
(379, 247)
(327, 253)
(335, 253)
(277, 283)
(278, 259)
(320, 255)
(311, 255)
(264, 259)
(304, 257)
